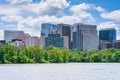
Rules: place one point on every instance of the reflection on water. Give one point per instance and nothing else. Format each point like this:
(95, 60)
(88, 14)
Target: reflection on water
(71, 71)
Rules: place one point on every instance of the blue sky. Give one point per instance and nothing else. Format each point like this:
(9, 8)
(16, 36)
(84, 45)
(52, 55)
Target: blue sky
(27, 15)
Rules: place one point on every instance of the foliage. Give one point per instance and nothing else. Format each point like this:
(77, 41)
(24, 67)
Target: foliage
(11, 54)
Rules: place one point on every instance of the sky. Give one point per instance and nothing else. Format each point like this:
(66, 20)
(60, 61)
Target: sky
(27, 15)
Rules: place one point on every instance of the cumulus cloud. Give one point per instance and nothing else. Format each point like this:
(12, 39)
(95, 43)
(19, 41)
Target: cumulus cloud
(107, 25)
(30, 25)
(81, 11)
(15, 2)
(113, 15)
(48, 7)
(12, 18)
(7, 10)
(99, 9)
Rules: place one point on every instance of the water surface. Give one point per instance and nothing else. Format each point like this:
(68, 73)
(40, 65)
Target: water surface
(69, 71)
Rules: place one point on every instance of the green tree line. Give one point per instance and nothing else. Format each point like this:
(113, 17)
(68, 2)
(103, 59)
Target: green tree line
(11, 54)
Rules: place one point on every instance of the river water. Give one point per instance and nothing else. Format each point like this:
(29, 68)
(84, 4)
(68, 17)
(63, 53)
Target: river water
(68, 71)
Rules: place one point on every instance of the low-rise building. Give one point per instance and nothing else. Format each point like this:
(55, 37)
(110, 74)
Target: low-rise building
(116, 44)
(17, 43)
(32, 41)
(105, 44)
(2, 42)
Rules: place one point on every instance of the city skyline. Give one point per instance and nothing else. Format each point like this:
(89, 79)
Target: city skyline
(15, 15)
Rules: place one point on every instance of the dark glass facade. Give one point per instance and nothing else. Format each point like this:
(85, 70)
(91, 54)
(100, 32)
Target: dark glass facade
(55, 40)
(107, 34)
(47, 28)
(65, 30)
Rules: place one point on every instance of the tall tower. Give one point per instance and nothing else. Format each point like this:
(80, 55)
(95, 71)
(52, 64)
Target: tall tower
(84, 37)
(65, 30)
(47, 28)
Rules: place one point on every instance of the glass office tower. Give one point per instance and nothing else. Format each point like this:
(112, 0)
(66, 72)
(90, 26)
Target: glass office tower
(108, 34)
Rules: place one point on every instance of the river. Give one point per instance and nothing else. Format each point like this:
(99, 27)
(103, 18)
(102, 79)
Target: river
(68, 71)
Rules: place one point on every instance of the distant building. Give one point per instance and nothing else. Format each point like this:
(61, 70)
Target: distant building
(55, 40)
(47, 28)
(22, 37)
(84, 37)
(11, 34)
(42, 41)
(2, 42)
(32, 41)
(65, 30)
(108, 34)
(17, 43)
(105, 44)
(116, 44)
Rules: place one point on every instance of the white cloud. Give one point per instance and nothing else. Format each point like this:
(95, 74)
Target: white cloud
(14, 2)
(107, 25)
(114, 15)
(48, 7)
(81, 11)
(30, 25)
(99, 9)
(1, 35)
(12, 18)
(7, 10)
(80, 7)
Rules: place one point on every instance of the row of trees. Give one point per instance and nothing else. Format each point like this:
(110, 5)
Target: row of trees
(12, 54)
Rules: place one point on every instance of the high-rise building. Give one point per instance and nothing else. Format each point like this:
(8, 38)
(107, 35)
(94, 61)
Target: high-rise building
(108, 34)
(84, 37)
(47, 28)
(11, 34)
(65, 30)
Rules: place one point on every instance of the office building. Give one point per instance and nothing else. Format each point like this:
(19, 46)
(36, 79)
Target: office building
(84, 37)
(17, 43)
(2, 42)
(22, 37)
(108, 34)
(116, 44)
(11, 34)
(47, 28)
(105, 44)
(42, 41)
(65, 30)
(32, 41)
(54, 39)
